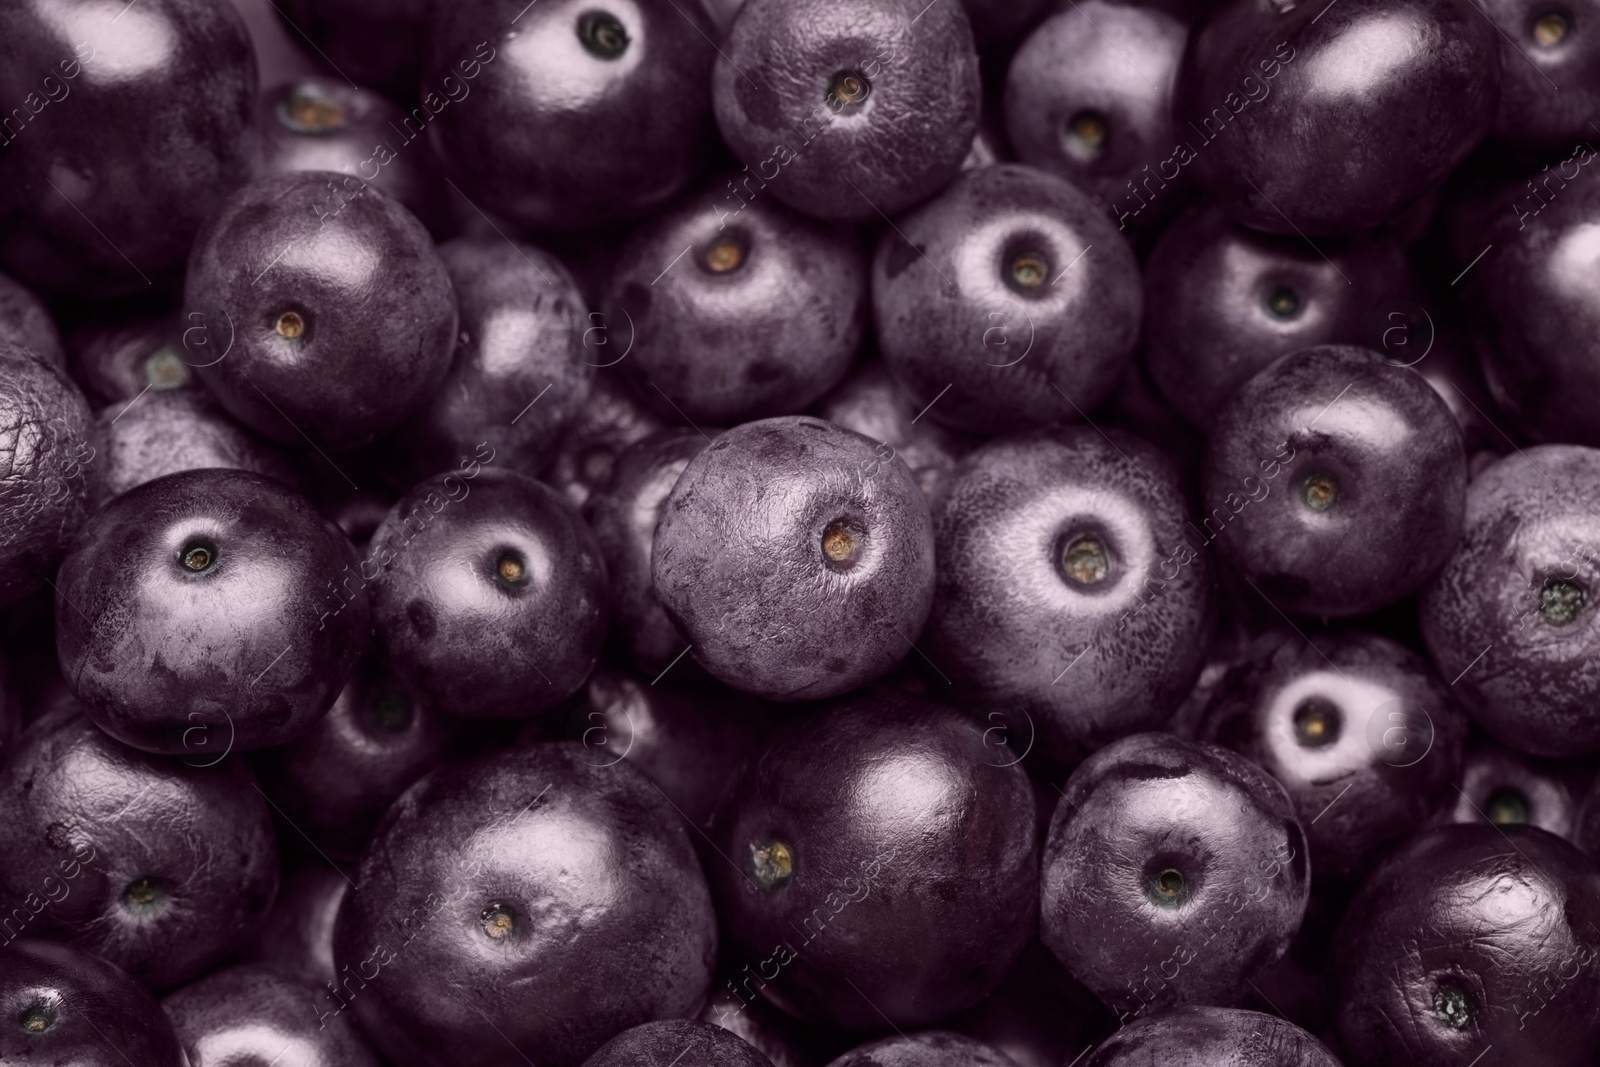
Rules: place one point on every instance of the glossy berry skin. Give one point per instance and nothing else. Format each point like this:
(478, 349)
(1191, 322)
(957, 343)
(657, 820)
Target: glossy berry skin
(296, 936)
(317, 310)
(776, 1034)
(1535, 302)
(612, 420)
(89, 1013)
(117, 359)
(26, 322)
(802, 594)
(488, 593)
(1357, 730)
(174, 430)
(760, 318)
(1517, 593)
(1473, 936)
(930, 1048)
(323, 124)
(255, 1014)
(334, 782)
(1067, 587)
(1015, 293)
(375, 42)
(1221, 302)
(1334, 482)
(848, 114)
(195, 614)
(1193, 1036)
(652, 1044)
(1088, 98)
(1325, 121)
(859, 898)
(873, 405)
(160, 866)
(1509, 789)
(1174, 872)
(582, 114)
(1550, 83)
(45, 458)
(623, 517)
(87, 207)
(520, 373)
(525, 883)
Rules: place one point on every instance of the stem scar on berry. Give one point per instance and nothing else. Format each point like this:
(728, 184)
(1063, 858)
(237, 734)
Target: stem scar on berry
(1085, 561)
(290, 325)
(1320, 492)
(773, 863)
(499, 922)
(602, 34)
(1085, 135)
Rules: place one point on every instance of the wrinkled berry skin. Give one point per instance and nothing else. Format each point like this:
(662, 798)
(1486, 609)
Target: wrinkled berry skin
(741, 559)
(1511, 615)
(930, 1048)
(841, 150)
(859, 900)
(1366, 741)
(951, 313)
(1334, 482)
(1132, 815)
(450, 619)
(46, 461)
(1192, 1036)
(243, 653)
(1470, 937)
(1088, 662)
(256, 1014)
(653, 1044)
(1492, 775)
(1534, 118)
(872, 404)
(137, 125)
(562, 133)
(1221, 302)
(1304, 118)
(727, 344)
(1534, 299)
(624, 517)
(96, 1016)
(580, 865)
(371, 313)
(520, 373)
(1110, 66)
(161, 866)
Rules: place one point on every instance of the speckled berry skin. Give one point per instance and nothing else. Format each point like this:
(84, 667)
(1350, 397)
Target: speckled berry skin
(1366, 741)
(376, 315)
(623, 517)
(133, 128)
(1210, 319)
(589, 864)
(907, 899)
(477, 645)
(949, 312)
(741, 565)
(1116, 64)
(1386, 443)
(520, 373)
(560, 135)
(726, 344)
(872, 404)
(334, 782)
(1194, 1036)
(1532, 118)
(1492, 772)
(657, 1043)
(89, 818)
(848, 157)
(250, 1013)
(1138, 810)
(1534, 300)
(1298, 118)
(172, 430)
(1088, 663)
(99, 1016)
(246, 652)
(930, 1048)
(1471, 937)
(1529, 682)
(46, 457)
